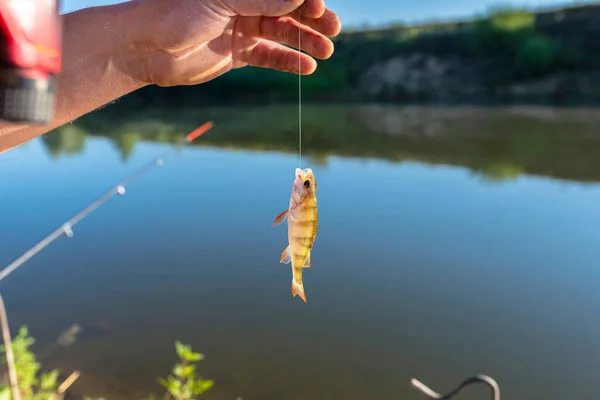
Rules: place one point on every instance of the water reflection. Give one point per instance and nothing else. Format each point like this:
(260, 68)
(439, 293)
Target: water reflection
(497, 143)
(418, 271)
(68, 140)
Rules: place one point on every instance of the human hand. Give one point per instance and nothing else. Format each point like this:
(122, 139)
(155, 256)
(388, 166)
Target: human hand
(186, 42)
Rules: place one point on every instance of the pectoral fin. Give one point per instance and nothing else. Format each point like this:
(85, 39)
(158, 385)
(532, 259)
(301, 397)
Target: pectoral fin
(285, 256)
(280, 218)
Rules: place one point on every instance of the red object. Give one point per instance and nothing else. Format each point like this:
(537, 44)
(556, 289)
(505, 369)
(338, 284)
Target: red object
(198, 131)
(30, 58)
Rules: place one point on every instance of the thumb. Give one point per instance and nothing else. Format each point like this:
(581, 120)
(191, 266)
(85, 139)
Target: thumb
(275, 8)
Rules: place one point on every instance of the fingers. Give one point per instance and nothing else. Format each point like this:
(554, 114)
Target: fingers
(254, 8)
(285, 30)
(312, 8)
(328, 24)
(313, 13)
(267, 54)
(273, 8)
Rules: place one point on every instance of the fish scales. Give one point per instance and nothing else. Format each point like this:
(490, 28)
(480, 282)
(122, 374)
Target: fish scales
(303, 228)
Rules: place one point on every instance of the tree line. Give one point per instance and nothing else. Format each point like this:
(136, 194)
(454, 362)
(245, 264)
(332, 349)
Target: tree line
(508, 45)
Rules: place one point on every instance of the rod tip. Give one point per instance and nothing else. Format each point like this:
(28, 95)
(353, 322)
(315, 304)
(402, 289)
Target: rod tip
(198, 131)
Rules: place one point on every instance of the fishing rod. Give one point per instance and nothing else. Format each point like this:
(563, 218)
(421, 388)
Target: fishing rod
(67, 227)
(471, 380)
(67, 230)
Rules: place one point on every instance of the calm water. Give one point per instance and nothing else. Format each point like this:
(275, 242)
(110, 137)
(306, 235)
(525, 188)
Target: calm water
(424, 268)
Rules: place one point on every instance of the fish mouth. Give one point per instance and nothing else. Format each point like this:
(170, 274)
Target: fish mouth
(302, 174)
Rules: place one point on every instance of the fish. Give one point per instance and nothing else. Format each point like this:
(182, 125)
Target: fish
(303, 219)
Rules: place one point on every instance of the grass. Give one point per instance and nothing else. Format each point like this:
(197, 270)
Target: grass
(182, 384)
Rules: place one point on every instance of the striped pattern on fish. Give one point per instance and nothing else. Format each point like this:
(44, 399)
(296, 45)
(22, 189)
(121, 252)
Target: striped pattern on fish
(303, 220)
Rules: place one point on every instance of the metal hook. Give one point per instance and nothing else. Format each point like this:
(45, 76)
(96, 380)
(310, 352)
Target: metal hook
(474, 379)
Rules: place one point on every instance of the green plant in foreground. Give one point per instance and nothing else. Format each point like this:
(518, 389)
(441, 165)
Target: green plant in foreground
(182, 384)
(31, 386)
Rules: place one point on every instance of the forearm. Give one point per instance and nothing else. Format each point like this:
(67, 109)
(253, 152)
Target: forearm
(95, 47)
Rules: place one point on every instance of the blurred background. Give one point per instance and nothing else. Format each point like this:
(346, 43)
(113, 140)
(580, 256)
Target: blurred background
(457, 150)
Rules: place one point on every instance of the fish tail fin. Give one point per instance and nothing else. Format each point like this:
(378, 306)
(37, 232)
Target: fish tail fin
(298, 289)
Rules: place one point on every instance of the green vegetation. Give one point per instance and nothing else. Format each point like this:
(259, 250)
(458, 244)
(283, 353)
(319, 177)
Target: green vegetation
(182, 384)
(508, 45)
(517, 47)
(70, 141)
(32, 385)
(505, 47)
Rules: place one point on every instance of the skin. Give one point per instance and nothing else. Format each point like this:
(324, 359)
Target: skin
(176, 42)
(303, 220)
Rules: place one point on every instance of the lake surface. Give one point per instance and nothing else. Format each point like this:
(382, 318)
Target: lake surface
(451, 242)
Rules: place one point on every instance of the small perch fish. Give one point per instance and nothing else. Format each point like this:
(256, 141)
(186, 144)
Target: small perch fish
(303, 220)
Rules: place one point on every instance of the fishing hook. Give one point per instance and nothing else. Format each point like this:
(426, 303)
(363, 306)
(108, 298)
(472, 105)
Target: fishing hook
(473, 379)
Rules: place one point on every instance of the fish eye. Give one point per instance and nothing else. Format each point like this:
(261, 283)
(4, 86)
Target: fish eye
(307, 184)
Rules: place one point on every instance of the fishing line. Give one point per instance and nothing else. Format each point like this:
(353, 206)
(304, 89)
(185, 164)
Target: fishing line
(299, 97)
